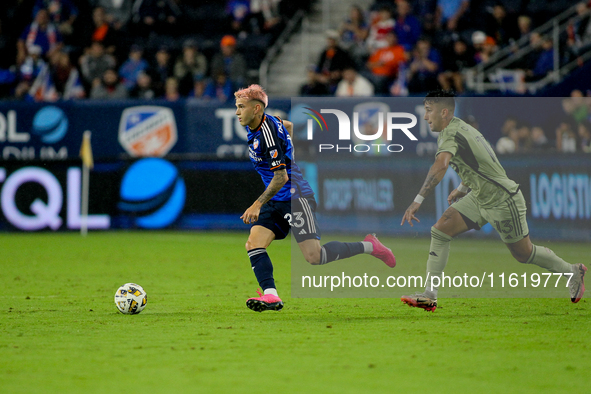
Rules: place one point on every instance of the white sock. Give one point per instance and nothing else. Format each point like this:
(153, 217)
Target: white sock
(367, 247)
(271, 291)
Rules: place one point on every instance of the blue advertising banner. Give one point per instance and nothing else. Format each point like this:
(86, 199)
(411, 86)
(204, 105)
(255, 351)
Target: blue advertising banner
(149, 193)
(121, 129)
(197, 128)
(374, 194)
(154, 193)
(199, 151)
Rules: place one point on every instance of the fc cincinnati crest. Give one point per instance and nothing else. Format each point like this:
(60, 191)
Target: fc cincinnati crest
(147, 130)
(255, 144)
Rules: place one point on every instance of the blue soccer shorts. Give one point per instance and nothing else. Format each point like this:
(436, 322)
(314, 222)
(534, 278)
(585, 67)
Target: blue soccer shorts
(299, 214)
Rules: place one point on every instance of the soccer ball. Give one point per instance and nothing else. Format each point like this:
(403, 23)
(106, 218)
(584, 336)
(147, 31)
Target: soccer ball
(131, 299)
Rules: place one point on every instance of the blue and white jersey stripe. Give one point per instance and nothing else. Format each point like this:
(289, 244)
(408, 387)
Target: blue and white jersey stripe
(270, 149)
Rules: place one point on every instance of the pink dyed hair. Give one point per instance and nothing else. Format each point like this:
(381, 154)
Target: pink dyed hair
(253, 92)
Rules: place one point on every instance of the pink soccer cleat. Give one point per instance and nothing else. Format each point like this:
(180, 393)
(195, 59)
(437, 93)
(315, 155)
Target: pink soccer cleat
(380, 251)
(420, 301)
(266, 302)
(576, 284)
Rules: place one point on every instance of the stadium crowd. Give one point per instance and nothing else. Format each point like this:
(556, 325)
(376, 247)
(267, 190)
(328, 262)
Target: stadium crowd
(401, 47)
(73, 49)
(571, 133)
(171, 49)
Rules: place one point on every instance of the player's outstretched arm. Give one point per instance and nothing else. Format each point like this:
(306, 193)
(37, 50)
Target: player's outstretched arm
(435, 175)
(280, 178)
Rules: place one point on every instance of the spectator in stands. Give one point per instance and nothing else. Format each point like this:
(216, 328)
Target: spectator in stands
(408, 27)
(238, 10)
(523, 26)
(117, 12)
(313, 86)
(161, 70)
(516, 141)
(544, 63)
(333, 60)
(383, 63)
(424, 68)
(566, 138)
(579, 32)
(484, 47)
(510, 137)
(32, 65)
(353, 33)
(509, 126)
(450, 13)
(156, 16)
(29, 70)
(354, 85)
(506, 145)
(539, 140)
(62, 13)
(190, 65)
(219, 88)
(380, 26)
(95, 62)
(110, 87)
(426, 11)
(133, 66)
(264, 17)
(171, 90)
(62, 70)
(229, 62)
(478, 39)
(529, 60)
(453, 65)
(41, 33)
(102, 31)
(585, 136)
(198, 88)
(143, 87)
(577, 106)
(500, 26)
(524, 139)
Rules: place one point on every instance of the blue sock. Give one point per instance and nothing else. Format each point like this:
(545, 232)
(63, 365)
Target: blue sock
(335, 250)
(262, 267)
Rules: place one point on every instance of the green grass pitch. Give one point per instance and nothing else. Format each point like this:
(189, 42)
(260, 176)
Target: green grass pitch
(60, 331)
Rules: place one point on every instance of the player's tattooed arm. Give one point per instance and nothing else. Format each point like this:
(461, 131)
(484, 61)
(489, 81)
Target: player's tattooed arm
(280, 178)
(436, 173)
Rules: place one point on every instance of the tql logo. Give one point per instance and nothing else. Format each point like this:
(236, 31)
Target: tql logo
(32, 198)
(153, 191)
(388, 121)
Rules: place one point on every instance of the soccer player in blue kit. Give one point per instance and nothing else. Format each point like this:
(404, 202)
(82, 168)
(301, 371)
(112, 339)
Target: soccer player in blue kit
(288, 201)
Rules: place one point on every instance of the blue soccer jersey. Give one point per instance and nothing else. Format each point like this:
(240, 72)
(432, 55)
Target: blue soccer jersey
(270, 149)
